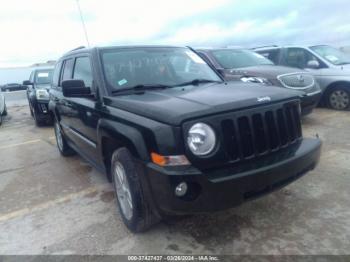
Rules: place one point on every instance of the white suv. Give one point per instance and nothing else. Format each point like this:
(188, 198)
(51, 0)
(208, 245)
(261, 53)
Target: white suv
(329, 65)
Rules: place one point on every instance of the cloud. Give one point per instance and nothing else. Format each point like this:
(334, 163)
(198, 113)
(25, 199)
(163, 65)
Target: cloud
(40, 30)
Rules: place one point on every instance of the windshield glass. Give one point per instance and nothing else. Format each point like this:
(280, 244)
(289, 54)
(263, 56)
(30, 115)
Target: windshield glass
(43, 76)
(129, 67)
(332, 55)
(232, 58)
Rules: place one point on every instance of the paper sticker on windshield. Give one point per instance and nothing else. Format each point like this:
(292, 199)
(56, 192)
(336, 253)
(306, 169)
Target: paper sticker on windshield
(43, 74)
(122, 82)
(331, 58)
(195, 57)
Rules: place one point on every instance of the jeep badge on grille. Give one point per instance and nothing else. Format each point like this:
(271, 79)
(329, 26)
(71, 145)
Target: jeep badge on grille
(264, 99)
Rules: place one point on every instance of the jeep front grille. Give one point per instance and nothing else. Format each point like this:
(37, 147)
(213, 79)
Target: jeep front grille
(256, 134)
(297, 80)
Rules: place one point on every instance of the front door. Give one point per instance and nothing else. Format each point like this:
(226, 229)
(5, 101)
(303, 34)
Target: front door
(82, 116)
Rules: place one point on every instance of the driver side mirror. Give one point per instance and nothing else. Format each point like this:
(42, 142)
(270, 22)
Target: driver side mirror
(75, 88)
(314, 64)
(27, 83)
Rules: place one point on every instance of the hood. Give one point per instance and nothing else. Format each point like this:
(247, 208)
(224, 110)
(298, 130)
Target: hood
(178, 104)
(42, 86)
(266, 71)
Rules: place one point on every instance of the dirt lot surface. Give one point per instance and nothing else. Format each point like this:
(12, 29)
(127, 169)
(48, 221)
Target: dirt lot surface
(55, 205)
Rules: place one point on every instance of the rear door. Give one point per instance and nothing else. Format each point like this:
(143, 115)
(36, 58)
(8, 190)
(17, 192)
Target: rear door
(62, 103)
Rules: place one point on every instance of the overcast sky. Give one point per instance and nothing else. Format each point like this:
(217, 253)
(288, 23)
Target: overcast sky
(40, 30)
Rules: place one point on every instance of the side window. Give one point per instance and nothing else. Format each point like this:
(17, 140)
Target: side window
(298, 57)
(67, 69)
(82, 70)
(272, 55)
(56, 74)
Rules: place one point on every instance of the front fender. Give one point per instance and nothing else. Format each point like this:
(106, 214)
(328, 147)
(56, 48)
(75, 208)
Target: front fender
(124, 135)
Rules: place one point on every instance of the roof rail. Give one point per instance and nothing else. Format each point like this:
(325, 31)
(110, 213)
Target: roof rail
(79, 47)
(257, 47)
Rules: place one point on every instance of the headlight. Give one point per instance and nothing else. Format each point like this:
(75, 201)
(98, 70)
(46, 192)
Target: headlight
(201, 139)
(255, 79)
(42, 94)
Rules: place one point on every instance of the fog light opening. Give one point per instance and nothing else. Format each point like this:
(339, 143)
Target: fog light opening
(181, 189)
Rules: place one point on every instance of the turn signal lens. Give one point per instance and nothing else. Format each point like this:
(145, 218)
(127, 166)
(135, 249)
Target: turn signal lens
(160, 160)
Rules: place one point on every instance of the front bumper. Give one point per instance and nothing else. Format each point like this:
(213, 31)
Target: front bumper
(41, 108)
(309, 101)
(222, 189)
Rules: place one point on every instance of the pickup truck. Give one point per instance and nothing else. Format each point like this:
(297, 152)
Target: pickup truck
(171, 135)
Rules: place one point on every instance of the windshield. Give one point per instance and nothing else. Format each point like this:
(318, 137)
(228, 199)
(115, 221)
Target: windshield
(331, 54)
(43, 76)
(232, 58)
(127, 68)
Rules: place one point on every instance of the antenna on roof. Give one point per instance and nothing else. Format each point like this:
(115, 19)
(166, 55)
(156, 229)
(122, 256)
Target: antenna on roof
(83, 23)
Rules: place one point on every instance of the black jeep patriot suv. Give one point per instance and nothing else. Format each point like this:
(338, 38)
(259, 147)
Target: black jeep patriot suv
(171, 135)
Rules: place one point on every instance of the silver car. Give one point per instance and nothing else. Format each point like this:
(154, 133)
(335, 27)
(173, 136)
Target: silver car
(329, 65)
(3, 110)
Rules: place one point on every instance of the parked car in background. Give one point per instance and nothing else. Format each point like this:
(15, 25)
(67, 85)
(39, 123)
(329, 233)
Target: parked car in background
(329, 65)
(247, 66)
(38, 95)
(13, 87)
(3, 109)
(172, 135)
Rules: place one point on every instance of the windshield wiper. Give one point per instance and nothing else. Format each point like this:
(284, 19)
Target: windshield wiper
(199, 81)
(141, 87)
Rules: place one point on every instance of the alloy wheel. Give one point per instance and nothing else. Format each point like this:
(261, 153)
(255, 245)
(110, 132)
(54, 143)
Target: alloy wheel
(123, 191)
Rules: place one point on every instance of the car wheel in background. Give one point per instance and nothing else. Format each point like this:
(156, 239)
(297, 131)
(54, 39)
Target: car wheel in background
(338, 98)
(135, 211)
(62, 145)
(37, 121)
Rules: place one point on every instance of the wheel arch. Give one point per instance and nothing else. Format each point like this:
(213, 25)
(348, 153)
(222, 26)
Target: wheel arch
(112, 135)
(332, 86)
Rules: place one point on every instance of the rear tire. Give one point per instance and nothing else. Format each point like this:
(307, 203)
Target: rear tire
(62, 145)
(136, 212)
(338, 98)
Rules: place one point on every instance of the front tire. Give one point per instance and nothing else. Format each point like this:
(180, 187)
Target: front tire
(62, 145)
(338, 98)
(135, 210)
